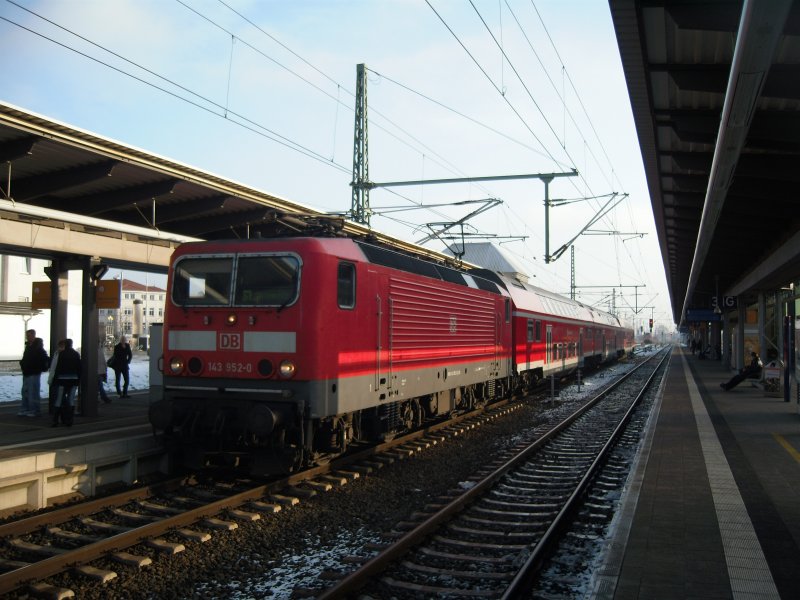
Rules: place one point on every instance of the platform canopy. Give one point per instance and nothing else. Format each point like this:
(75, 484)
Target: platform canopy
(66, 191)
(715, 91)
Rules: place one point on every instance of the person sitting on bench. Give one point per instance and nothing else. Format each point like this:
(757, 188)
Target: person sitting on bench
(751, 370)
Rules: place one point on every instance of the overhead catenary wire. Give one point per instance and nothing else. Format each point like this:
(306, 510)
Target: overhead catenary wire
(577, 94)
(444, 162)
(234, 118)
(587, 147)
(494, 85)
(467, 117)
(223, 110)
(561, 95)
(505, 99)
(246, 122)
(530, 94)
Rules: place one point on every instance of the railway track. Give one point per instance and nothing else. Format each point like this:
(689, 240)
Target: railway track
(169, 516)
(492, 539)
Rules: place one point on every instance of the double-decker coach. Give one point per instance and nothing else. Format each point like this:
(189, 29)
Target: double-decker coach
(554, 335)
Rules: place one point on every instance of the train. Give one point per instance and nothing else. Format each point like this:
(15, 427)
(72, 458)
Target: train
(280, 353)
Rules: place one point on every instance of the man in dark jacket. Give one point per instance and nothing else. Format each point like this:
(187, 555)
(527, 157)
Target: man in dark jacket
(33, 363)
(67, 379)
(751, 370)
(122, 359)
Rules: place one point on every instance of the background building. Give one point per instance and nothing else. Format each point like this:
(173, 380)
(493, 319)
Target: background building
(141, 305)
(17, 276)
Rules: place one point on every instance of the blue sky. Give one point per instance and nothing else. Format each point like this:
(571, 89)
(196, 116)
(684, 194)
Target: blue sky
(289, 73)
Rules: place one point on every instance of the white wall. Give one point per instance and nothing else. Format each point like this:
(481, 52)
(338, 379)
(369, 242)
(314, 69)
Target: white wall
(17, 275)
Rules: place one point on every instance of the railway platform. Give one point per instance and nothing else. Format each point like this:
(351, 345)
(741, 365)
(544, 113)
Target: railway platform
(712, 510)
(40, 464)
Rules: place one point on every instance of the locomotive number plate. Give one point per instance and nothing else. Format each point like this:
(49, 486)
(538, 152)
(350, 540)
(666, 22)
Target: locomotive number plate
(229, 367)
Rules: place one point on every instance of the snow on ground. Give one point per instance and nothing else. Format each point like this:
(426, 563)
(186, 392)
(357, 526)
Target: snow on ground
(11, 378)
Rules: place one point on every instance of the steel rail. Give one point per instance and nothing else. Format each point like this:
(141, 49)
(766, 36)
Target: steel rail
(61, 515)
(56, 564)
(85, 554)
(524, 577)
(358, 578)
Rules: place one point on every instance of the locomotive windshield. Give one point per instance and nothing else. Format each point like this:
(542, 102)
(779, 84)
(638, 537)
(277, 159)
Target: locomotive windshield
(261, 280)
(270, 280)
(203, 281)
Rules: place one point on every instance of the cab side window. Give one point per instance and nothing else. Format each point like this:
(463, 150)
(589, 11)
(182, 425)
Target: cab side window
(346, 285)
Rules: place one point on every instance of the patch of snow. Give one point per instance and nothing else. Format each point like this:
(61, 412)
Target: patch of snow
(11, 382)
(296, 570)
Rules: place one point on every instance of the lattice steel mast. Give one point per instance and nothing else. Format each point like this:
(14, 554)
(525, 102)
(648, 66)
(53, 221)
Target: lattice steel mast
(359, 208)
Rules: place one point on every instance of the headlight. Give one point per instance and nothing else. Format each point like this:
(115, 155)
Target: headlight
(231, 320)
(176, 364)
(287, 369)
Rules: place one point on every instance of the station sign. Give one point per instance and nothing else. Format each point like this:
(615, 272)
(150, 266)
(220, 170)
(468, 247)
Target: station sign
(107, 294)
(724, 302)
(699, 315)
(40, 294)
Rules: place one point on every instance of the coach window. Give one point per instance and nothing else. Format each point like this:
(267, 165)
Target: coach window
(508, 310)
(538, 331)
(346, 285)
(530, 330)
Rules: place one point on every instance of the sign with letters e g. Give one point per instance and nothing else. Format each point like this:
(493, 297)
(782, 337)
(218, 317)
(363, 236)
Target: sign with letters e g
(229, 341)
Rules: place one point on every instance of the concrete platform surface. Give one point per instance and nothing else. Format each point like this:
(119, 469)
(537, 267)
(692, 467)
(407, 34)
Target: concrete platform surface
(40, 464)
(713, 508)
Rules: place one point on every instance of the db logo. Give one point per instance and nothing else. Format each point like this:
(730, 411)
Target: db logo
(230, 341)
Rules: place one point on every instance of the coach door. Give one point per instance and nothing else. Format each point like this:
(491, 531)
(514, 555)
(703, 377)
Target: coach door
(548, 346)
(383, 361)
(498, 328)
(580, 347)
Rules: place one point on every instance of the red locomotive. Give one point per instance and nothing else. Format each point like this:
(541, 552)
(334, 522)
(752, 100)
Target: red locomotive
(284, 351)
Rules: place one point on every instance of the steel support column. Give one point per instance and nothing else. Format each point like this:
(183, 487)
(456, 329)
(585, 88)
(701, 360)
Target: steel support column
(89, 342)
(739, 349)
(762, 327)
(726, 339)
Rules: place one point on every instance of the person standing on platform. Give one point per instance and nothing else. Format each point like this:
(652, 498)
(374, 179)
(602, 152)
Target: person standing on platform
(121, 361)
(34, 362)
(102, 374)
(67, 379)
(51, 377)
